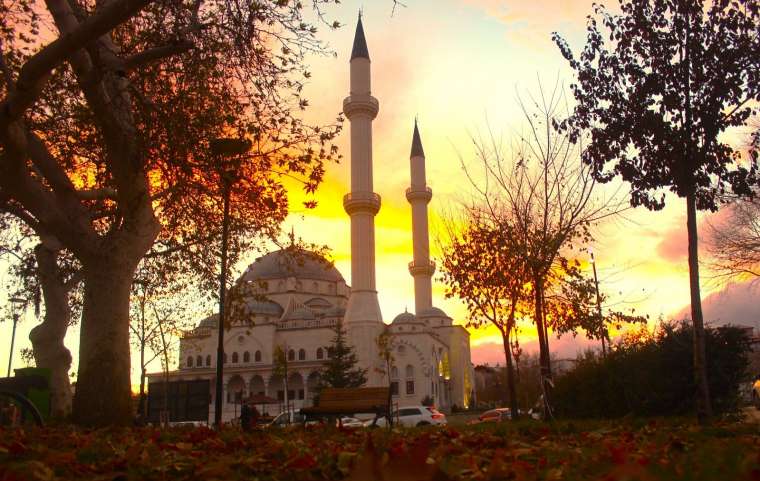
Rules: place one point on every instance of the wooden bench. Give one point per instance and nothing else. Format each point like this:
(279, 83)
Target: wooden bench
(348, 402)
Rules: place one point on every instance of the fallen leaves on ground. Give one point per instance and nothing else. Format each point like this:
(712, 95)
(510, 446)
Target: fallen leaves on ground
(631, 450)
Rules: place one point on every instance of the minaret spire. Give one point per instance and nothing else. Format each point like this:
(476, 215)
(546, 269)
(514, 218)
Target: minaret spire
(360, 42)
(363, 319)
(419, 195)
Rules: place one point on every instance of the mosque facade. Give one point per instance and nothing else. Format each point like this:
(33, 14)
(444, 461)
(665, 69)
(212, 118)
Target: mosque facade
(292, 301)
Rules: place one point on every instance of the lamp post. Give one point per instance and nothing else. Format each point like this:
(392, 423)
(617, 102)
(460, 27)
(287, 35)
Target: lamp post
(14, 301)
(228, 151)
(599, 304)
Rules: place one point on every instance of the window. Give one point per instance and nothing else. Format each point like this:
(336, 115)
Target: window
(257, 356)
(246, 356)
(189, 361)
(208, 360)
(401, 349)
(291, 394)
(301, 354)
(300, 394)
(320, 353)
(234, 358)
(199, 361)
(224, 358)
(291, 355)
(409, 370)
(280, 395)
(410, 387)
(394, 372)
(394, 388)
(409, 412)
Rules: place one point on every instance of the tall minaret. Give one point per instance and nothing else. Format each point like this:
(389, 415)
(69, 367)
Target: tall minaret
(419, 194)
(363, 318)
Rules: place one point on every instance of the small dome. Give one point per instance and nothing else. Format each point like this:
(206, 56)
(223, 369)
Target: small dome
(210, 321)
(289, 263)
(405, 317)
(298, 314)
(433, 312)
(268, 308)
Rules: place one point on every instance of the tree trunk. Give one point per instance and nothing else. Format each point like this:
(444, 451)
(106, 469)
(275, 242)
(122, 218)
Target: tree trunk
(47, 338)
(704, 407)
(103, 390)
(544, 361)
(511, 385)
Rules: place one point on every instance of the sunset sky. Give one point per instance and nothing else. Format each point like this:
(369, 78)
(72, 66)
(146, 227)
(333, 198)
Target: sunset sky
(459, 66)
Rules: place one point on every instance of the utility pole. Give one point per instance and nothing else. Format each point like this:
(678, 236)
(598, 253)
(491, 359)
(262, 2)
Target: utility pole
(599, 306)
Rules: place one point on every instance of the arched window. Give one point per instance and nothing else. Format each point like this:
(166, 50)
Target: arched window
(234, 358)
(320, 353)
(199, 361)
(189, 361)
(246, 356)
(208, 360)
(409, 370)
(394, 372)
(401, 349)
(257, 356)
(301, 354)
(291, 355)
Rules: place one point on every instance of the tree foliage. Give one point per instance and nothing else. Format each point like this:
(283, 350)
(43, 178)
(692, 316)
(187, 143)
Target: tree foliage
(106, 114)
(340, 370)
(657, 86)
(734, 242)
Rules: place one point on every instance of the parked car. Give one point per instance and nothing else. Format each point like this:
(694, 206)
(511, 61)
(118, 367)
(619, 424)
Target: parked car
(349, 422)
(756, 392)
(287, 418)
(410, 416)
(497, 415)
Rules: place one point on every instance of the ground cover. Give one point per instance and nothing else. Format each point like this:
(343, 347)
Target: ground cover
(628, 450)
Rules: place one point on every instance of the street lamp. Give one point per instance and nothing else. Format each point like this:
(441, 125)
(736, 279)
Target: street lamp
(229, 152)
(14, 301)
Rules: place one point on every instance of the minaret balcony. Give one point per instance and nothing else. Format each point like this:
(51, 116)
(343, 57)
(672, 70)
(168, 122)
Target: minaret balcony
(418, 193)
(361, 104)
(354, 202)
(426, 268)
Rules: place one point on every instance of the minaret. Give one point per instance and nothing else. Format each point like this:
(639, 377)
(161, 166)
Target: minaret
(363, 318)
(419, 195)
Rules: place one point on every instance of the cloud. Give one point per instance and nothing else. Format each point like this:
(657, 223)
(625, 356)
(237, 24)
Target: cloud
(566, 347)
(737, 303)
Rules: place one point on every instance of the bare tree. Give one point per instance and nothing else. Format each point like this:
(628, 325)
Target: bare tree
(539, 190)
(734, 243)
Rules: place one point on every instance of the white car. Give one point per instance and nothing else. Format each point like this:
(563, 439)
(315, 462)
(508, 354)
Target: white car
(287, 419)
(410, 416)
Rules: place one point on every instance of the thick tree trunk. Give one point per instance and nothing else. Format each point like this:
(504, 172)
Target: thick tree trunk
(511, 385)
(704, 406)
(103, 390)
(47, 338)
(544, 359)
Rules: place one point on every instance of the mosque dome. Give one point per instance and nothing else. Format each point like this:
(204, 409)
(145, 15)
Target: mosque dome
(405, 318)
(286, 263)
(267, 308)
(433, 312)
(210, 321)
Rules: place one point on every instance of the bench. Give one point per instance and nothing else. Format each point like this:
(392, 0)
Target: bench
(15, 390)
(348, 402)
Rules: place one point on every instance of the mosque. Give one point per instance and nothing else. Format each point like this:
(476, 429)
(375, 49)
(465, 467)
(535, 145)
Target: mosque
(293, 301)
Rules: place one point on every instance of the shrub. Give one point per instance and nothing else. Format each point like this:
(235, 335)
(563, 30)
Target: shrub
(653, 375)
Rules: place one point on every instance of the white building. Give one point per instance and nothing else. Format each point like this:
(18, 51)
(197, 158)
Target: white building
(293, 300)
